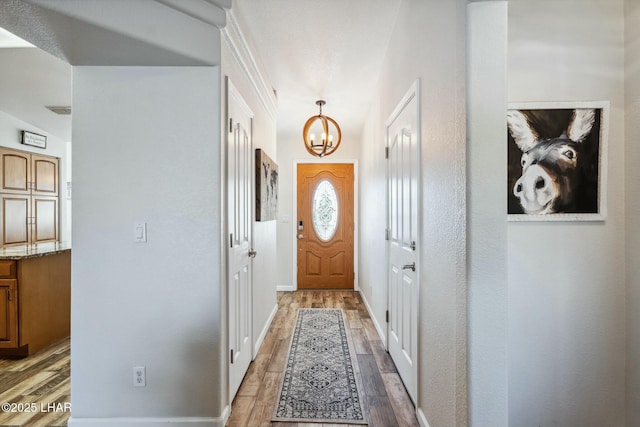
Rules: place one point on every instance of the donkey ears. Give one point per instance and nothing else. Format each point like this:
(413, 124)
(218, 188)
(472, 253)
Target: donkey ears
(525, 137)
(581, 124)
(521, 131)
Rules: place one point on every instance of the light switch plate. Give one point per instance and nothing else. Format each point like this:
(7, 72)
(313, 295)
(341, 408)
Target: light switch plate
(140, 232)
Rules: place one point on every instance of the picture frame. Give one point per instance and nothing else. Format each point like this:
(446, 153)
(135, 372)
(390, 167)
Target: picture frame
(266, 187)
(34, 139)
(557, 161)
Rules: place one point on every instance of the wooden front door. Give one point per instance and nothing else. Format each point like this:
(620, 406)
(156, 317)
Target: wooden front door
(325, 226)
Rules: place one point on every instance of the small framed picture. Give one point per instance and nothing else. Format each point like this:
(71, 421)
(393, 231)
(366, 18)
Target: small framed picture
(266, 187)
(34, 139)
(557, 161)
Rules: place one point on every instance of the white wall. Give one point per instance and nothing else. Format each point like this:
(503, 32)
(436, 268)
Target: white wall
(241, 67)
(486, 210)
(10, 137)
(373, 218)
(290, 149)
(428, 43)
(146, 148)
(567, 279)
(632, 188)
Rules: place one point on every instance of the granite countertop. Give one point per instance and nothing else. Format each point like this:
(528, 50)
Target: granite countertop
(33, 251)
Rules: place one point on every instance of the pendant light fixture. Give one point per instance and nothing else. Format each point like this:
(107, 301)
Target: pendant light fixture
(330, 134)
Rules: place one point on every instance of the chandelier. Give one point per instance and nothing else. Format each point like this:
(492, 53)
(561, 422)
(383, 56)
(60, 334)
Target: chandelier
(325, 145)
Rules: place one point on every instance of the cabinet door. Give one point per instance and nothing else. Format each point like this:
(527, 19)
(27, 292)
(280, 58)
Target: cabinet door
(44, 175)
(15, 171)
(8, 313)
(15, 212)
(45, 219)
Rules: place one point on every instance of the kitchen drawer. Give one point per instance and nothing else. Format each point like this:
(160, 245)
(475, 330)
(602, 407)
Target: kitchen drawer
(7, 269)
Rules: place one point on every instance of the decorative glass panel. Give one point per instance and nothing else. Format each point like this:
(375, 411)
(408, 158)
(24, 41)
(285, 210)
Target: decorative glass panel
(325, 210)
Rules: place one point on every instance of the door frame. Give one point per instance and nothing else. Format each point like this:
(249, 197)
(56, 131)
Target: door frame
(412, 92)
(356, 217)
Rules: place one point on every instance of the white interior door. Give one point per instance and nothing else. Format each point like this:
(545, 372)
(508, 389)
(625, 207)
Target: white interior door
(240, 221)
(403, 143)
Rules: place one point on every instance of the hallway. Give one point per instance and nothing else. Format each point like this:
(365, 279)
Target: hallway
(384, 395)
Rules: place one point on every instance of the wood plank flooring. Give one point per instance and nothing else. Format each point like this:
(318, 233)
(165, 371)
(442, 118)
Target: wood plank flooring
(38, 387)
(385, 398)
(43, 379)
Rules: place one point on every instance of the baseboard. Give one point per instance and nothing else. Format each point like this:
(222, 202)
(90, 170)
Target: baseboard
(381, 332)
(264, 331)
(285, 288)
(150, 422)
(220, 421)
(422, 419)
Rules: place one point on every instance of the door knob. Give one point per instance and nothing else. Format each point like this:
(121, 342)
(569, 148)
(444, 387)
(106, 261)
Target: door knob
(300, 237)
(252, 253)
(411, 266)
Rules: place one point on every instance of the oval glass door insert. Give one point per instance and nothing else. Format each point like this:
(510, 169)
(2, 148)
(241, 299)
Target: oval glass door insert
(325, 210)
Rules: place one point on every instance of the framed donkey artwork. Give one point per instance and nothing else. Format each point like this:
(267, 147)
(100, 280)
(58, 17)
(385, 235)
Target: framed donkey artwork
(557, 163)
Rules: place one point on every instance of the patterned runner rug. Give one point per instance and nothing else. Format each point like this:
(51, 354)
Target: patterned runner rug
(319, 382)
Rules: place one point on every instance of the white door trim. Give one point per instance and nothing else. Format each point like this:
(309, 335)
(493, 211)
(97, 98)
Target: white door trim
(356, 216)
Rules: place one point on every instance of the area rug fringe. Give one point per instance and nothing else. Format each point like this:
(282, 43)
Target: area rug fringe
(322, 370)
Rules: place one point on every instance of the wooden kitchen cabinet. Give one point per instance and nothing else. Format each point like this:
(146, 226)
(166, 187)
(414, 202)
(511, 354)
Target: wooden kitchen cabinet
(29, 201)
(44, 175)
(44, 219)
(35, 301)
(15, 214)
(15, 173)
(8, 313)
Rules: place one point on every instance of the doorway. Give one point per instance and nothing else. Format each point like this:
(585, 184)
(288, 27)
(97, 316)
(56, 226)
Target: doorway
(240, 225)
(325, 226)
(403, 245)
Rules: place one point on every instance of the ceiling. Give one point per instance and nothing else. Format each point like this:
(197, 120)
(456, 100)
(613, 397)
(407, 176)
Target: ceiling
(31, 80)
(310, 50)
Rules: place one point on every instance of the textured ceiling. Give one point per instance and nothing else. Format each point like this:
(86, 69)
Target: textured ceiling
(329, 49)
(310, 49)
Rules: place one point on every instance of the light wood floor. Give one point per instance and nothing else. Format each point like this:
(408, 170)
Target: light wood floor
(38, 386)
(385, 398)
(43, 379)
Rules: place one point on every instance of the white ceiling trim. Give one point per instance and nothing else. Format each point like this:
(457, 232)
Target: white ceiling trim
(208, 12)
(10, 40)
(224, 4)
(118, 33)
(232, 35)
